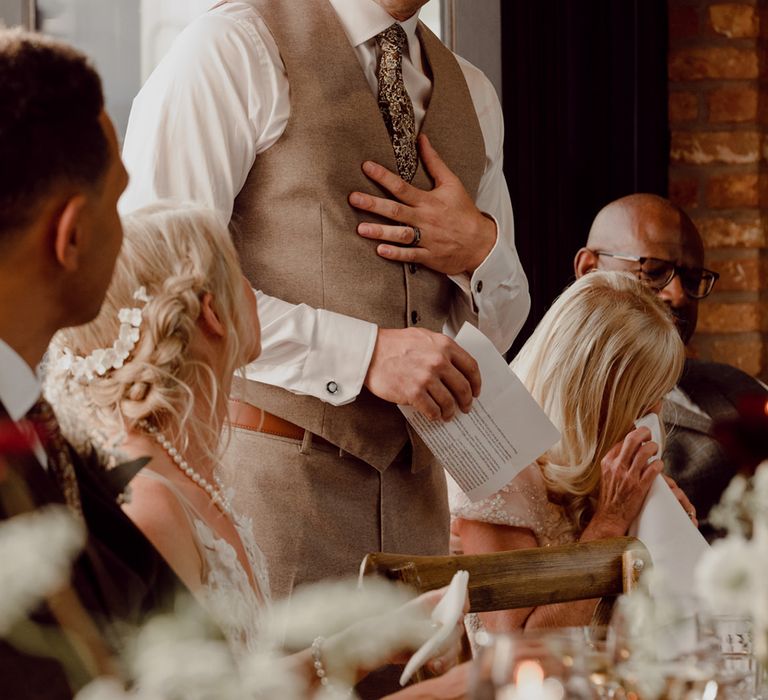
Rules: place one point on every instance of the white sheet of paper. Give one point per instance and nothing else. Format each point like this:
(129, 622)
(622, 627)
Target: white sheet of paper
(505, 430)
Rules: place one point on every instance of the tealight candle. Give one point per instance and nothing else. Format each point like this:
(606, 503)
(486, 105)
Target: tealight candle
(530, 684)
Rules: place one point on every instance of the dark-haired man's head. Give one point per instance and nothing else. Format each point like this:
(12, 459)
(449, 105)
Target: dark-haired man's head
(652, 228)
(60, 181)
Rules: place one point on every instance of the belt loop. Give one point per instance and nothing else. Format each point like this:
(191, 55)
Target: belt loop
(306, 443)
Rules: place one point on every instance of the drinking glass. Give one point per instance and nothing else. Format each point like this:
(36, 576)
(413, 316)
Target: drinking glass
(601, 653)
(657, 652)
(729, 641)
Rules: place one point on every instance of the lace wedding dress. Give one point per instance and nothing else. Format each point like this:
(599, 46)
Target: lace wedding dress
(233, 603)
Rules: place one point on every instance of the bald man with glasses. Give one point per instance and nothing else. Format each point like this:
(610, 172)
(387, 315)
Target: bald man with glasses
(656, 240)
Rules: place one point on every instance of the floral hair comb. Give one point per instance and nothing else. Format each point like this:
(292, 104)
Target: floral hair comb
(99, 361)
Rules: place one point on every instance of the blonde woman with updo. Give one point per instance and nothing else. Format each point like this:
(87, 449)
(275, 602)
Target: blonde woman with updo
(151, 377)
(604, 355)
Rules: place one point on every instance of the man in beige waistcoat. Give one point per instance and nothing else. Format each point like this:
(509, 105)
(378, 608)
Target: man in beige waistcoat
(298, 121)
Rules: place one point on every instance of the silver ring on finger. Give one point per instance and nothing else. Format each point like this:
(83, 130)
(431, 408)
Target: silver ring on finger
(691, 514)
(416, 237)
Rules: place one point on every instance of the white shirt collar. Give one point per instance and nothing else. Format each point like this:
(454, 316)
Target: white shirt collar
(19, 385)
(364, 19)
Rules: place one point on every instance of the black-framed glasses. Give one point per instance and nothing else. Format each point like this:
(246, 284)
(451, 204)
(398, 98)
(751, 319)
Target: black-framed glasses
(697, 282)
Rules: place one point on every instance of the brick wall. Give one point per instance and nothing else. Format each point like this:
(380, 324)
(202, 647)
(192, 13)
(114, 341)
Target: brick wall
(718, 114)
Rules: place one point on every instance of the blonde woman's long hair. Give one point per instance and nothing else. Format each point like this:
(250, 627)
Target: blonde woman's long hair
(177, 253)
(604, 354)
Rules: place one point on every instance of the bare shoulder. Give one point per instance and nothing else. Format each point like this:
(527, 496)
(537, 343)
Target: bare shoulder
(158, 513)
(153, 502)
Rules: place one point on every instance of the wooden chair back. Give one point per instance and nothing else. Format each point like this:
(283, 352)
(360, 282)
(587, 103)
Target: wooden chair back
(526, 577)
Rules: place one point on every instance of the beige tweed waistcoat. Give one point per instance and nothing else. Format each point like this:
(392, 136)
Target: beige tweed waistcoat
(296, 233)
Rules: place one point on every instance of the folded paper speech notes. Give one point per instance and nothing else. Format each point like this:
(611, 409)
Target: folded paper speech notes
(504, 431)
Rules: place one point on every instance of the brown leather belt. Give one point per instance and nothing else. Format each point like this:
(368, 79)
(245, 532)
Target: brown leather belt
(244, 415)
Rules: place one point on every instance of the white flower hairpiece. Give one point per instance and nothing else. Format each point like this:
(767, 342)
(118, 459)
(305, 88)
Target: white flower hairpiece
(101, 360)
(141, 295)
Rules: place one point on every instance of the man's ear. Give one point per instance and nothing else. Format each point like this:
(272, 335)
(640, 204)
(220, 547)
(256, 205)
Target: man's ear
(68, 233)
(584, 262)
(209, 318)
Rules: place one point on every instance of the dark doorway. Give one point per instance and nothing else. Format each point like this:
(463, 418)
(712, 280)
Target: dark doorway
(585, 111)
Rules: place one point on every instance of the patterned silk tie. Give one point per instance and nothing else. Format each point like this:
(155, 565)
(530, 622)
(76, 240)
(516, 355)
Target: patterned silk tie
(60, 466)
(394, 102)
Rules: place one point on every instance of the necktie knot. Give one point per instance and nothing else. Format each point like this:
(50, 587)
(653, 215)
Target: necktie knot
(392, 39)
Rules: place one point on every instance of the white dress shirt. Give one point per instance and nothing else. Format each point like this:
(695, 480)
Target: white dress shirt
(220, 97)
(679, 397)
(19, 390)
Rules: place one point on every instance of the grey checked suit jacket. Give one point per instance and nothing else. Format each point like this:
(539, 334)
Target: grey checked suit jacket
(692, 456)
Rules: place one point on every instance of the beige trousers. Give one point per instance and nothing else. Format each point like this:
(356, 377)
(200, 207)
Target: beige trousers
(316, 511)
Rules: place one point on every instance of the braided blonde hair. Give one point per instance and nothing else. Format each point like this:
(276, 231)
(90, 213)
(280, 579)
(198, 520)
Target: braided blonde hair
(603, 355)
(178, 254)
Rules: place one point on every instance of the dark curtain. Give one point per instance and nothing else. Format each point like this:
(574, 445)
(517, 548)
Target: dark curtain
(585, 111)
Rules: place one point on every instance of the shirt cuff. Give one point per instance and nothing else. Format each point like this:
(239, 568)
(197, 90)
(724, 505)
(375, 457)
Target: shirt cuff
(336, 366)
(491, 273)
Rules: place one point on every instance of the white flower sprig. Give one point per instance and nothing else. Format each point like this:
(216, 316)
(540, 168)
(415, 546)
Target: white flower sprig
(731, 577)
(177, 656)
(38, 549)
(727, 577)
(362, 625)
(101, 360)
(327, 607)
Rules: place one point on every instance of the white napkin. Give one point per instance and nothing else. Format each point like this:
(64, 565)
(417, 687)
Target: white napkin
(664, 527)
(674, 542)
(652, 422)
(446, 614)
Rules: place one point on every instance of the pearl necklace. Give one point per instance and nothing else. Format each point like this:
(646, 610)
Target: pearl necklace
(215, 494)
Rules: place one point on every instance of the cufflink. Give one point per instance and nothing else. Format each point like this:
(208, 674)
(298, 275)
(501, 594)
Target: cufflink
(331, 387)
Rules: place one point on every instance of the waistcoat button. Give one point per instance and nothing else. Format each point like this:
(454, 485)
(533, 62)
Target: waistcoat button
(412, 267)
(479, 286)
(414, 317)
